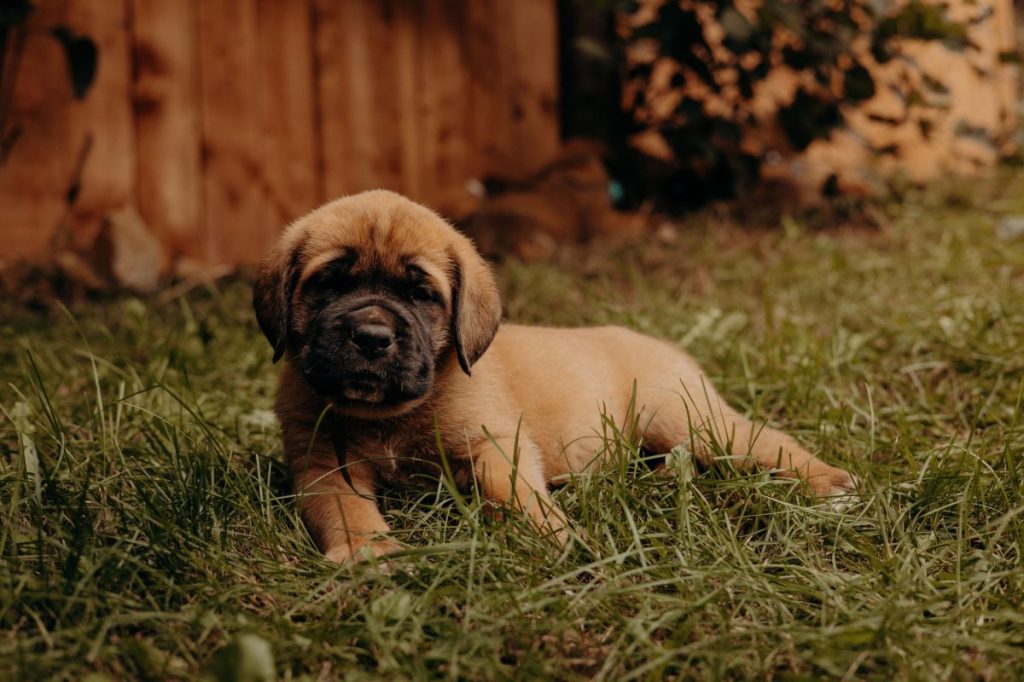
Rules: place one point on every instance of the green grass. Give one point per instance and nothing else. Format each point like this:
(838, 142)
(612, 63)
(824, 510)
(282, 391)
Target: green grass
(159, 539)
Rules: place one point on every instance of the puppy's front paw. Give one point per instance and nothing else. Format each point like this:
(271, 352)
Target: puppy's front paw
(556, 533)
(828, 481)
(550, 522)
(345, 553)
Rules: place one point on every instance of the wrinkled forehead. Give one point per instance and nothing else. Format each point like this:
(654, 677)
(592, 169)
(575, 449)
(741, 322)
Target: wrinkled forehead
(379, 235)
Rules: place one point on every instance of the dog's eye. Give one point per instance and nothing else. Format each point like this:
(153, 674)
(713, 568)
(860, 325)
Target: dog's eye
(335, 276)
(328, 281)
(423, 293)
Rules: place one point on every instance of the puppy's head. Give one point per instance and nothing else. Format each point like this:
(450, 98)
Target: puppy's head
(370, 296)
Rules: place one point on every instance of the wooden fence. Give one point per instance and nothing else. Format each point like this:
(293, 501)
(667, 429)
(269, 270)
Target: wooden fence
(222, 120)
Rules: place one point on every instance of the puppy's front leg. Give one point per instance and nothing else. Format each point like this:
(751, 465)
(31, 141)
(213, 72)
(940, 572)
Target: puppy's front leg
(343, 519)
(507, 478)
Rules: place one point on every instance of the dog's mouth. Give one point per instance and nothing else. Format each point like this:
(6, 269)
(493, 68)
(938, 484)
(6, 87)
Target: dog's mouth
(364, 387)
(370, 394)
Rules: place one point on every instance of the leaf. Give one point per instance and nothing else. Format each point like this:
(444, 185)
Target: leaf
(248, 658)
(82, 57)
(20, 414)
(736, 25)
(925, 22)
(858, 83)
(808, 118)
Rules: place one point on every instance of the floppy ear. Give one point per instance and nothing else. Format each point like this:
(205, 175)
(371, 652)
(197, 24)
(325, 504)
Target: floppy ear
(272, 293)
(476, 304)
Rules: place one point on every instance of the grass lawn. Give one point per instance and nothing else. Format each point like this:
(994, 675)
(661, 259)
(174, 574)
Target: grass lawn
(147, 529)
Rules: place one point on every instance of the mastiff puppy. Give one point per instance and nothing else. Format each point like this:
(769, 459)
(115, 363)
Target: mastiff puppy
(389, 322)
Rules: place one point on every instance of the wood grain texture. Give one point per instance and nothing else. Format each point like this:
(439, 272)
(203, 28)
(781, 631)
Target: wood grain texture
(441, 101)
(103, 119)
(368, 81)
(35, 172)
(532, 55)
(238, 226)
(166, 108)
(488, 119)
(375, 107)
(338, 99)
(406, 49)
(288, 108)
(222, 121)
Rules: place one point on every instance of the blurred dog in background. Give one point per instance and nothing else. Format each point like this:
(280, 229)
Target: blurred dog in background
(568, 201)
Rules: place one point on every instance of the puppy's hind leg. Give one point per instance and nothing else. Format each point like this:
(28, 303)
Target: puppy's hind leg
(774, 449)
(708, 420)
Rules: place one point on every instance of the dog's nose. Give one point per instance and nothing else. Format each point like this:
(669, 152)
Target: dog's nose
(373, 340)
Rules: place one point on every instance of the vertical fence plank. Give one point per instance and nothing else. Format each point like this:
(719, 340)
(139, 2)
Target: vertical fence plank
(1007, 83)
(442, 95)
(488, 119)
(366, 58)
(36, 167)
(104, 118)
(167, 122)
(238, 222)
(533, 90)
(376, 117)
(406, 46)
(287, 104)
(333, 45)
